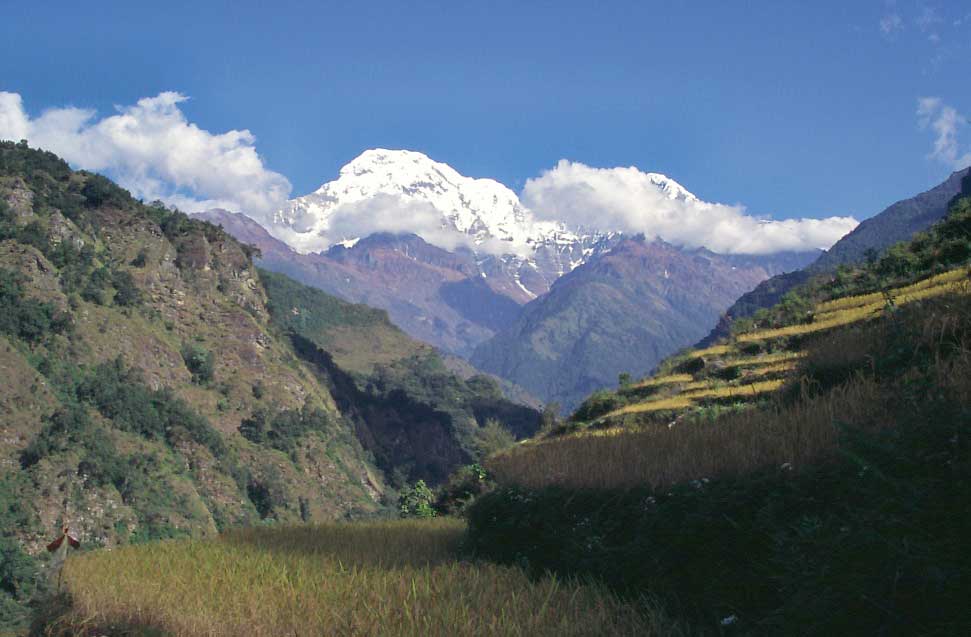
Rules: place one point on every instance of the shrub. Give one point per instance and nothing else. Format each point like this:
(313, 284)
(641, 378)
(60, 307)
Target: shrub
(24, 317)
(596, 405)
(100, 191)
(416, 501)
(200, 362)
(127, 293)
(462, 488)
(492, 438)
(282, 429)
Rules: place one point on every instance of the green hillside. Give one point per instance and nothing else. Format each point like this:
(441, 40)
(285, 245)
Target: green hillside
(155, 384)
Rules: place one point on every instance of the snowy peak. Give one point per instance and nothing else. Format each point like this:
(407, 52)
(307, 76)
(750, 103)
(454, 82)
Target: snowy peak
(403, 191)
(670, 187)
(406, 191)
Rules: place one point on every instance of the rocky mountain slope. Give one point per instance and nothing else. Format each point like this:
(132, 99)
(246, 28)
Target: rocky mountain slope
(898, 222)
(156, 384)
(621, 312)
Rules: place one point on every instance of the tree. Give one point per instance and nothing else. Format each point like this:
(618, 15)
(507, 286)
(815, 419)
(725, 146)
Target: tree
(550, 418)
(127, 293)
(200, 362)
(624, 379)
(492, 438)
(416, 501)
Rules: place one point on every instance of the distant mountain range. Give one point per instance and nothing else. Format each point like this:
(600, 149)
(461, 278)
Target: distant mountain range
(623, 311)
(461, 264)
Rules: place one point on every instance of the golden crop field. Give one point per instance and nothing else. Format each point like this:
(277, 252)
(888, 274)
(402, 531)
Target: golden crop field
(849, 310)
(957, 274)
(663, 380)
(764, 359)
(674, 402)
(374, 578)
(715, 350)
(739, 391)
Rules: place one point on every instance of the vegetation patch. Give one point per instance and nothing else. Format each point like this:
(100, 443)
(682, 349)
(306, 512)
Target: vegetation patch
(385, 578)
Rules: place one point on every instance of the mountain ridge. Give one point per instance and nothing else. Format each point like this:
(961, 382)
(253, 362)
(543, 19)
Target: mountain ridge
(898, 222)
(621, 312)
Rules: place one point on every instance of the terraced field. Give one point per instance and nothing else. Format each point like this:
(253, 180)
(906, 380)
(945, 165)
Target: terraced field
(725, 373)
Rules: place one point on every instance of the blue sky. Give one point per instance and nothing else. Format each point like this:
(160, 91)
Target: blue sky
(792, 109)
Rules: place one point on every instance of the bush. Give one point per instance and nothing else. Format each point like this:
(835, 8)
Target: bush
(24, 317)
(596, 405)
(416, 501)
(281, 430)
(492, 438)
(127, 293)
(200, 362)
(462, 488)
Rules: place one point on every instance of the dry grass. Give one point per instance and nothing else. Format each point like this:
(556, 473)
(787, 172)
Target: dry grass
(715, 350)
(837, 316)
(703, 390)
(735, 391)
(663, 380)
(764, 359)
(660, 456)
(958, 274)
(387, 578)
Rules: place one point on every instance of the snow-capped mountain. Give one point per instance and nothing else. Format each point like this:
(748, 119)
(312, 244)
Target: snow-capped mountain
(395, 190)
(452, 259)
(402, 191)
(379, 188)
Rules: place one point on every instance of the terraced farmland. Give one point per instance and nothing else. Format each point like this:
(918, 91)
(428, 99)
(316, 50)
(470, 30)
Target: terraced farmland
(756, 363)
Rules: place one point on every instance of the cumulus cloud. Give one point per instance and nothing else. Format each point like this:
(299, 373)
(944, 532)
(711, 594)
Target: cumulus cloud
(630, 200)
(947, 123)
(151, 149)
(390, 213)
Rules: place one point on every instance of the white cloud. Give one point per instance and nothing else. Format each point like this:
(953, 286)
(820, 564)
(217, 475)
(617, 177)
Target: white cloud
(947, 123)
(151, 149)
(387, 213)
(630, 200)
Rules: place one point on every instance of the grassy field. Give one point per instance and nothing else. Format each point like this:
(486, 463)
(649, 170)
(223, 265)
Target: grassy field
(660, 456)
(375, 578)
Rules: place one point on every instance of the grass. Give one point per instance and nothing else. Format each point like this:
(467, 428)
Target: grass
(736, 443)
(765, 359)
(697, 391)
(662, 380)
(957, 274)
(837, 313)
(375, 578)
